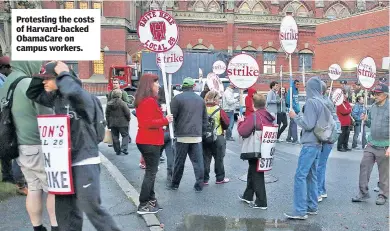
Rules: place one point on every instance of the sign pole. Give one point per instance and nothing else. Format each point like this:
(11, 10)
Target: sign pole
(331, 87)
(170, 86)
(291, 81)
(365, 112)
(281, 85)
(167, 101)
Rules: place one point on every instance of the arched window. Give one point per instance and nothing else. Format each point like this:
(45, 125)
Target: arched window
(98, 65)
(259, 9)
(269, 60)
(338, 10)
(296, 8)
(252, 7)
(306, 57)
(244, 8)
(199, 6)
(213, 7)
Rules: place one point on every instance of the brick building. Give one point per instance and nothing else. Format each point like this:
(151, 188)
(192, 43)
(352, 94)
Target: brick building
(211, 26)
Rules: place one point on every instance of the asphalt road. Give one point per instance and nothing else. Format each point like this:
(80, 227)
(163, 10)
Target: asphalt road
(217, 208)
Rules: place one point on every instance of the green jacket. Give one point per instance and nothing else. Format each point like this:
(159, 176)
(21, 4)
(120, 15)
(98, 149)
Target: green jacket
(125, 97)
(378, 122)
(24, 110)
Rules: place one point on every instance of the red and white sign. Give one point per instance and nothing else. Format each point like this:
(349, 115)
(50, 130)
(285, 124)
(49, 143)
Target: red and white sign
(243, 71)
(157, 31)
(219, 67)
(334, 71)
(288, 34)
(214, 82)
(54, 131)
(269, 136)
(338, 97)
(366, 72)
(173, 60)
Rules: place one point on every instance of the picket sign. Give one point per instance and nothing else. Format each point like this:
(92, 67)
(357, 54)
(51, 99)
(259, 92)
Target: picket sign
(54, 131)
(334, 73)
(269, 136)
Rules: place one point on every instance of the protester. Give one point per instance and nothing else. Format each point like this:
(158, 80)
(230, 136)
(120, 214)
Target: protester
(255, 180)
(249, 101)
(217, 148)
(344, 113)
(292, 135)
(116, 85)
(282, 116)
(357, 92)
(229, 106)
(377, 149)
(305, 181)
(31, 158)
(150, 138)
(205, 90)
(357, 111)
(273, 100)
(326, 148)
(60, 89)
(118, 118)
(190, 124)
(5, 69)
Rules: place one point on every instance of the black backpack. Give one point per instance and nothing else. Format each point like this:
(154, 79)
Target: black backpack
(9, 141)
(99, 121)
(211, 130)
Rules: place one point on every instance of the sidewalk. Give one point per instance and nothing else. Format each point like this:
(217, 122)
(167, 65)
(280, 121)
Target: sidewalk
(14, 216)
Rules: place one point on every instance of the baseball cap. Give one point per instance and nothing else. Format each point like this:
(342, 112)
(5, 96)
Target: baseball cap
(188, 82)
(5, 61)
(381, 88)
(47, 71)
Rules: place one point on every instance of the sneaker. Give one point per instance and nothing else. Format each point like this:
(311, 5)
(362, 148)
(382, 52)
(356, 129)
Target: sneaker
(154, 203)
(360, 198)
(198, 189)
(381, 200)
(170, 187)
(241, 197)
(288, 141)
(206, 183)
(376, 189)
(162, 159)
(147, 209)
(255, 206)
(225, 180)
(319, 199)
(296, 217)
(312, 212)
(125, 152)
(325, 195)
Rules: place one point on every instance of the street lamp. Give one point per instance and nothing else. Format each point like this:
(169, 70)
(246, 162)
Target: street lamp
(350, 64)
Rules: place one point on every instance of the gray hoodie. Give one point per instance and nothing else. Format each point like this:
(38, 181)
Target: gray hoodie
(329, 104)
(313, 108)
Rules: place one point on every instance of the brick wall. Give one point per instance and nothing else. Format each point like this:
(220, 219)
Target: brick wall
(372, 40)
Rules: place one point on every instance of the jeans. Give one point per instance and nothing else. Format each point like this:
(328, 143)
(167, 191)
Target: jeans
(357, 130)
(124, 131)
(321, 170)
(229, 132)
(151, 154)
(282, 119)
(255, 185)
(169, 152)
(292, 131)
(216, 150)
(70, 208)
(305, 180)
(195, 152)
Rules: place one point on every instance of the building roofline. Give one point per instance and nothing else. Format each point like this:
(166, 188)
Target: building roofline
(356, 15)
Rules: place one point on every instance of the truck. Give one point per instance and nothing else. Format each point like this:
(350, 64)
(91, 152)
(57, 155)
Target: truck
(127, 76)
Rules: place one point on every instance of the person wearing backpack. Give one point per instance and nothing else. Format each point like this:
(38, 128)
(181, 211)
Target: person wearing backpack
(305, 180)
(326, 147)
(214, 145)
(31, 158)
(59, 89)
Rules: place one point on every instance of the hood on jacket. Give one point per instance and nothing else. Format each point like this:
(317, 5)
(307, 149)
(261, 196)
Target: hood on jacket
(114, 103)
(251, 91)
(323, 87)
(314, 88)
(25, 68)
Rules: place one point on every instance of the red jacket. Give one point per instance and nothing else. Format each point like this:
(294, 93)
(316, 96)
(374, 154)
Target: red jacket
(150, 122)
(249, 101)
(344, 113)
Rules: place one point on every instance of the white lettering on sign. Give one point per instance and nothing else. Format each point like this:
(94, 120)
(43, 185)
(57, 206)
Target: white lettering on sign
(334, 71)
(243, 71)
(173, 60)
(54, 132)
(268, 141)
(366, 72)
(288, 34)
(219, 67)
(157, 31)
(338, 97)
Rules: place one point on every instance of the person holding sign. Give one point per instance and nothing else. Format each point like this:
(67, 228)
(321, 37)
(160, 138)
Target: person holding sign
(246, 127)
(305, 180)
(59, 89)
(292, 135)
(150, 138)
(377, 149)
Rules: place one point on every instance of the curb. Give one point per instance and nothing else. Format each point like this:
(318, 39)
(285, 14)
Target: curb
(151, 220)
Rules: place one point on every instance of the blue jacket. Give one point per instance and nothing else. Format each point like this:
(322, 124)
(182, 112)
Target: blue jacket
(357, 110)
(295, 100)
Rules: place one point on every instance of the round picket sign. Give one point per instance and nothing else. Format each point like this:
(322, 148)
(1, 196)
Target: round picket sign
(366, 72)
(338, 97)
(334, 71)
(173, 60)
(214, 82)
(243, 71)
(219, 67)
(157, 31)
(288, 34)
